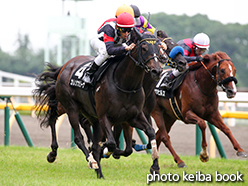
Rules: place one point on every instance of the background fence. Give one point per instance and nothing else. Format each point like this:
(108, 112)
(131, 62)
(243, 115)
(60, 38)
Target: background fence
(18, 89)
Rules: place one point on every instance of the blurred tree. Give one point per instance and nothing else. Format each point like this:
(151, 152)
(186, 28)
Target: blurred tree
(229, 38)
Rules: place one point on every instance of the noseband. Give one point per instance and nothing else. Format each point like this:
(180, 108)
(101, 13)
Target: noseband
(226, 80)
(218, 81)
(152, 49)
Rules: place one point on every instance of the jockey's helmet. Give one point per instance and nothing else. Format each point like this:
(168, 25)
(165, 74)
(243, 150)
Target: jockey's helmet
(136, 11)
(124, 8)
(125, 20)
(201, 40)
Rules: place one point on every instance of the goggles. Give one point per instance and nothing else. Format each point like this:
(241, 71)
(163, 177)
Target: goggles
(201, 49)
(124, 30)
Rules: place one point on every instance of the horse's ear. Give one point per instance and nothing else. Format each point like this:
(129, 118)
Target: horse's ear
(206, 58)
(162, 34)
(159, 33)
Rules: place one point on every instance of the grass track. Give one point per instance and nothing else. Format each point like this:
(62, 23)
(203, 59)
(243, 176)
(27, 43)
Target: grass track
(28, 166)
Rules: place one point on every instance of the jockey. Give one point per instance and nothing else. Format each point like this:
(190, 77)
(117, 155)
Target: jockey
(193, 50)
(112, 33)
(140, 21)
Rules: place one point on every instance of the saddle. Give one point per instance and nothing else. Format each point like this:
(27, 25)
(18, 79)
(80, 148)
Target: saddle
(169, 94)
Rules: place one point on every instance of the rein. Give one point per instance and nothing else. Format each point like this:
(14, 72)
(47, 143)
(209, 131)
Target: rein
(140, 62)
(121, 89)
(217, 81)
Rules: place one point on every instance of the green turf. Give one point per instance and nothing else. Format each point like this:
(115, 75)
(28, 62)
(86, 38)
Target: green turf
(28, 166)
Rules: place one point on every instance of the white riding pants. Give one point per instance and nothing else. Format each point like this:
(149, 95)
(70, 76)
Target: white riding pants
(100, 48)
(176, 72)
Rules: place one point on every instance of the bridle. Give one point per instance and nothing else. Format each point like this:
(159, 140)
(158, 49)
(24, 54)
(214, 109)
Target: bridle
(217, 80)
(152, 49)
(142, 61)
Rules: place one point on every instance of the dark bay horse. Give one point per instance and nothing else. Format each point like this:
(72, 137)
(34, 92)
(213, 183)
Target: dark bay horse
(197, 100)
(119, 96)
(176, 60)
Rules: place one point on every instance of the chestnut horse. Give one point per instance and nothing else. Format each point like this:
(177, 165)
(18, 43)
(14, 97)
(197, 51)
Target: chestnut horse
(119, 96)
(197, 101)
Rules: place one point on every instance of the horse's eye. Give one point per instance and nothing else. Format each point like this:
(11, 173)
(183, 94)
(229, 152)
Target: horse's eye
(222, 71)
(144, 48)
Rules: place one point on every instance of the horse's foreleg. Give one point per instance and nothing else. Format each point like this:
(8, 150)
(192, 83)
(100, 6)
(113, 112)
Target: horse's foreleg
(128, 131)
(107, 129)
(141, 123)
(162, 135)
(218, 122)
(191, 117)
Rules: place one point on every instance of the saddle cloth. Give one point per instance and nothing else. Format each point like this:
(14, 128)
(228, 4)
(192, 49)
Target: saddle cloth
(76, 78)
(169, 94)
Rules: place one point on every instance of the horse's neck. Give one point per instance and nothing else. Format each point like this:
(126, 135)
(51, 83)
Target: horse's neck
(148, 84)
(128, 75)
(205, 81)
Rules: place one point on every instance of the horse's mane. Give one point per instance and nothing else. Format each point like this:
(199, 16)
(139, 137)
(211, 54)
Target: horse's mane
(209, 57)
(220, 55)
(215, 56)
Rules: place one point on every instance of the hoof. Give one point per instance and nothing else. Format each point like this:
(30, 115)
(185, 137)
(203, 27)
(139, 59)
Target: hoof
(154, 171)
(93, 165)
(204, 158)
(242, 154)
(181, 165)
(133, 142)
(51, 158)
(116, 156)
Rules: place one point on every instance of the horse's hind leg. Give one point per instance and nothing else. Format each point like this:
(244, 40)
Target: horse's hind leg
(218, 122)
(78, 137)
(54, 146)
(96, 149)
(85, 124)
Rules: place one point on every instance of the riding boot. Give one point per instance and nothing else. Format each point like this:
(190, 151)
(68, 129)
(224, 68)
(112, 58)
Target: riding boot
(87, 78)
(167, 82)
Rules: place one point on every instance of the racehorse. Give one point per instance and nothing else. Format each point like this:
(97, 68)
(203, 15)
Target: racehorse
(197, 101)
(119, 96)
(176, 60)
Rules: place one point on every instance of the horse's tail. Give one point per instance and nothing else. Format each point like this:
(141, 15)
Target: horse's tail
(45, 96)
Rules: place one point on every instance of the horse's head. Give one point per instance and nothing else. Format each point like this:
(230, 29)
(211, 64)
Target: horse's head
(174, 52)
(146, 53)
(224, 72)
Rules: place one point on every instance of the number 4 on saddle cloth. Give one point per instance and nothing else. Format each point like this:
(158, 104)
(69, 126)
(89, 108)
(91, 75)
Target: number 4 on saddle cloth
(76, 79)
(169, 94)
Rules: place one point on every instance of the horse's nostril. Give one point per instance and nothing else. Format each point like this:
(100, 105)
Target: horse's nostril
(155, 71)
